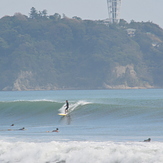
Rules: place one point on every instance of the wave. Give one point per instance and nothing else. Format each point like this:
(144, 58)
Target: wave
(72, 152)
(36, 111)
(40, 110)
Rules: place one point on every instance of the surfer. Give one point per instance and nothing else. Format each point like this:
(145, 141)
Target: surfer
(57, 130)
(67, 106)
(148, 140)
(22, 128)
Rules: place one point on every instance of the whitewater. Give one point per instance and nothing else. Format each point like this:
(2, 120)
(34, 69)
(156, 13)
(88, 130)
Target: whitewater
(103, 126)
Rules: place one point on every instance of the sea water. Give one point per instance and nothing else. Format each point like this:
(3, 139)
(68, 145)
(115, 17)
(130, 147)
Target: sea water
(103, 126)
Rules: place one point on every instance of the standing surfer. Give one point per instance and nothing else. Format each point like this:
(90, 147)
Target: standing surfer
(67, 106)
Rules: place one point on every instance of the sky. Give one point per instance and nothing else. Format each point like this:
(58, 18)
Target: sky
(137, 10)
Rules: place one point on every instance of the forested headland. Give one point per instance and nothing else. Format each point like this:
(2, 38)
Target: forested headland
(49, 52)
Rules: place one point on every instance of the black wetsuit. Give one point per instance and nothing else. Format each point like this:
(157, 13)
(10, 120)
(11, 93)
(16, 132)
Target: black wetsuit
(67, 106)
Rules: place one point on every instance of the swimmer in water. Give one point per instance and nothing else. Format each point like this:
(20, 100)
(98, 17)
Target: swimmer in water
(148, 140)
(56, 130)
(22, 128)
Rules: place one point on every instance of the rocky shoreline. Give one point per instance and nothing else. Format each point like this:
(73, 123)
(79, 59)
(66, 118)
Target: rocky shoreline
(51, 87)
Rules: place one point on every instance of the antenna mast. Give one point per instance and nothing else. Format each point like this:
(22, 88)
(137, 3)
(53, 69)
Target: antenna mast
(114, 10)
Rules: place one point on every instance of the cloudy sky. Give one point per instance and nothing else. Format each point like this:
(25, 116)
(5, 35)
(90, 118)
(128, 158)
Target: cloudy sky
(137, 10)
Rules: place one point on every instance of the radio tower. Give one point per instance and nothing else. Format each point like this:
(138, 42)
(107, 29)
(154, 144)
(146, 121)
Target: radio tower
(114, 10)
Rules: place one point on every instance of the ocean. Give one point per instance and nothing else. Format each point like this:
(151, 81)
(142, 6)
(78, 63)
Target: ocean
(103, 126)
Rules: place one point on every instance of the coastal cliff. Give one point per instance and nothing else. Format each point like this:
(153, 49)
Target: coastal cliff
(123, 77)
(51, 53)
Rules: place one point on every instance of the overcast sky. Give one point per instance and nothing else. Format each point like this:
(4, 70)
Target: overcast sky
(137, 10)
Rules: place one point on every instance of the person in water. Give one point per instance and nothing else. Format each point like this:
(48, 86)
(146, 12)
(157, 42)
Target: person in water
(67, 106)
(148, 140)
(22, 128)
(57, 130)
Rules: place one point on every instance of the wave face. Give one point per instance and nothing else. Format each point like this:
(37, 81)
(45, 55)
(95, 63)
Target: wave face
(27, 112)
(83, 112)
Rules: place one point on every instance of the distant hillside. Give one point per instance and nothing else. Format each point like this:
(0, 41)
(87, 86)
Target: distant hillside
(42, 52)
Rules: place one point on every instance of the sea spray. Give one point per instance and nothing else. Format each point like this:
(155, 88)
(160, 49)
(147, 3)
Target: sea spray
(81, 152)
(73, 106)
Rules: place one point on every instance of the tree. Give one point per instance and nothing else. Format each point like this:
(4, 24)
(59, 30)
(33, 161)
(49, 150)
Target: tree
(44, 13)
(55, 17)
(77, 18)
(34, 14)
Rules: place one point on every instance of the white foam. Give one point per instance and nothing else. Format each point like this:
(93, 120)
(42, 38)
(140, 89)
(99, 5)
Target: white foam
(81, 152)
(73, 106)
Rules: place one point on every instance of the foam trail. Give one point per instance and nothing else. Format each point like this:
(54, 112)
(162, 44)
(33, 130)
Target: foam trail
(62, 109)
(74, 106)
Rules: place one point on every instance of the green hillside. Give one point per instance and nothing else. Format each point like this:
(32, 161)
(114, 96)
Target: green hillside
(41, 52)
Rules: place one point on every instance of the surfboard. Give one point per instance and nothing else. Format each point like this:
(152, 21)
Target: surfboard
(62, 114)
